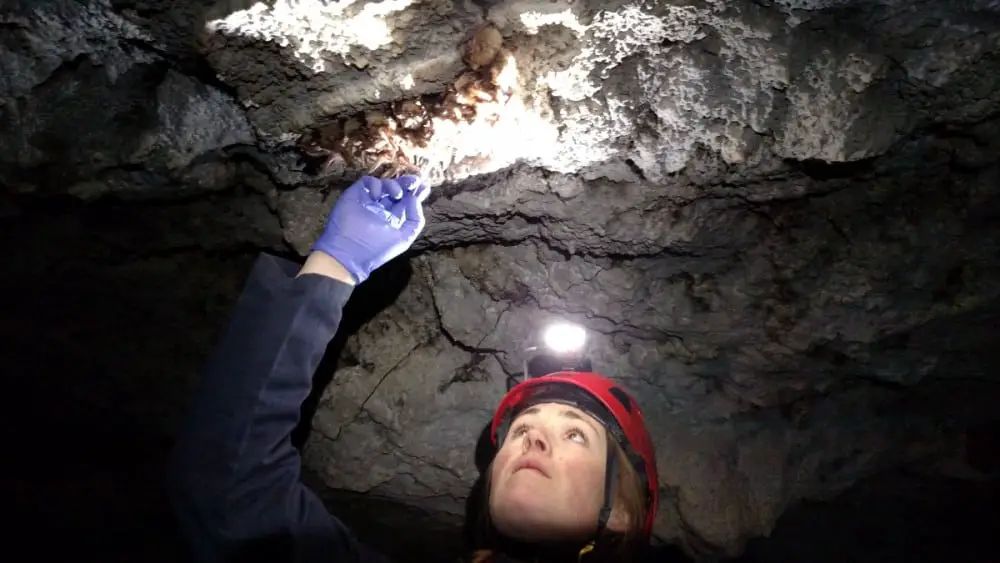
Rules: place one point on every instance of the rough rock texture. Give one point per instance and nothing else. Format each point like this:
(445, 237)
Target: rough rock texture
(778, 219)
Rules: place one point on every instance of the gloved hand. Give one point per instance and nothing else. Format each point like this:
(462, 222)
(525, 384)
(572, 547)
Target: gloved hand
(372, 222)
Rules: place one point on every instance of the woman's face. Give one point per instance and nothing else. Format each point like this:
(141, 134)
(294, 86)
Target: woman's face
(547, 481)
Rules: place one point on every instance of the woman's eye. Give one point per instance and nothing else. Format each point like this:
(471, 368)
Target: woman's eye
(577, 436)
(519, 430)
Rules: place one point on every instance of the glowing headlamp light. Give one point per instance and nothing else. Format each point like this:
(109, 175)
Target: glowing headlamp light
(561, 349)
(564, 338)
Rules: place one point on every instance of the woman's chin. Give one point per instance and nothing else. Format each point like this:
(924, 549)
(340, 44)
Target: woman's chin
(521, 511)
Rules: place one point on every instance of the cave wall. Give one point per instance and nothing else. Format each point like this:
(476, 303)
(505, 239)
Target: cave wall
(777, 219)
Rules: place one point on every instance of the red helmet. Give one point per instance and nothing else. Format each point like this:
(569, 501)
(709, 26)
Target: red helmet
(601, 398)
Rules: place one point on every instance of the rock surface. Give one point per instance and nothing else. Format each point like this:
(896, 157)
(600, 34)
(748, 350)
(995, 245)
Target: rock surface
(777, 219)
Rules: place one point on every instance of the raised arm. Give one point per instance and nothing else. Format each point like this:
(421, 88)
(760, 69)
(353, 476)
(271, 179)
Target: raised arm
(234, 475)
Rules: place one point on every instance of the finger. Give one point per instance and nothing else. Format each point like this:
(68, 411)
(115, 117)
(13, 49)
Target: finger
(409, 182)
(415, 184)
(392, 189)
(374, 187)
(414, 212)
(398, 209)
(422, 192)
(359, 189)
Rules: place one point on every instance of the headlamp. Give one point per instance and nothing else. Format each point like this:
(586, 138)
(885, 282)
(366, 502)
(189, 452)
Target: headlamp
(564, 338)
(561, 349)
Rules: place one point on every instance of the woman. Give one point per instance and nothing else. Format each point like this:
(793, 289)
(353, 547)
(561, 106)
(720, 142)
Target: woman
(573, 475)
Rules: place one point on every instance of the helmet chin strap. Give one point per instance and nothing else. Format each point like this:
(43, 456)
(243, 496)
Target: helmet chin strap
(610, 479)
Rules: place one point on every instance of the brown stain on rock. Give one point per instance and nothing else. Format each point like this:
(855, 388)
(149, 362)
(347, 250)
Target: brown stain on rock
(387, 141)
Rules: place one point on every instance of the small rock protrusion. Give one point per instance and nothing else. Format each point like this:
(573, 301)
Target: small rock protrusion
(482, 47)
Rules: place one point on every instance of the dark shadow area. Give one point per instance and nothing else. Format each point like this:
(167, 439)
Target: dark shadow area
(81, 482)
(982, 447)
(100, 336)
(896, 517)
(475, 503)
(399, 532)
(823, 170)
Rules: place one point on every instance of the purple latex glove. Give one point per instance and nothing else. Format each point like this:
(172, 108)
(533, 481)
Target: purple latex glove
(372, 222)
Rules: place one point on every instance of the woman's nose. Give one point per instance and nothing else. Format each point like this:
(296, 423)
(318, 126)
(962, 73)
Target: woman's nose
(534, 439)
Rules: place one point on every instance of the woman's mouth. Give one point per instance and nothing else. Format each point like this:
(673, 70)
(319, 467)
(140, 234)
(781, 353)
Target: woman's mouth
(532, 465)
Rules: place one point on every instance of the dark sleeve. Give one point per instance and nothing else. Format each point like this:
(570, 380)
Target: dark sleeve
(234, 475)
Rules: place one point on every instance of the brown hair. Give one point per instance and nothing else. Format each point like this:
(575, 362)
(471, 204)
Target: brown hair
(630, 499)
